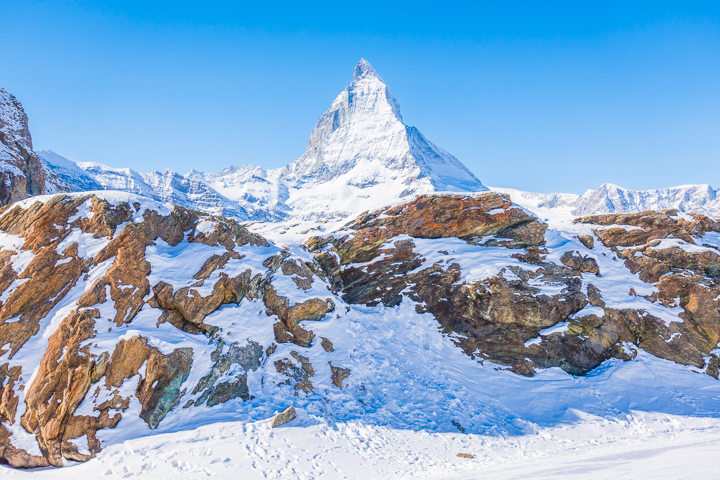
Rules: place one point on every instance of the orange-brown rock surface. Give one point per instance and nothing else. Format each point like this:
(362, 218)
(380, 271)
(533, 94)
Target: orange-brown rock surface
(76, 269)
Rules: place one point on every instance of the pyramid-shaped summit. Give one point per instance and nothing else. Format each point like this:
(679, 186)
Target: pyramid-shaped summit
(362, 142)
(361, 156)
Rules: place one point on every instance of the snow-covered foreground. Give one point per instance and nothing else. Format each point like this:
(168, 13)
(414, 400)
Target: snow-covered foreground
(638, 445)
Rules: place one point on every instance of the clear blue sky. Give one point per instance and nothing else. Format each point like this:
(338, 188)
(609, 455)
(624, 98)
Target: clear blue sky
(541, 96)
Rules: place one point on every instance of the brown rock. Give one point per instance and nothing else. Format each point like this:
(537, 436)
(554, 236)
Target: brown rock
(17, 457)
(587, 240)
(300, 374)
(283, 417)
(581, 264)
(327, 344)
(290, 316)
(339, 375)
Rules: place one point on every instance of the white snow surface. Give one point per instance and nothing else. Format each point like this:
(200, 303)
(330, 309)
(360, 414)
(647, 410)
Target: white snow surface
(637, 445)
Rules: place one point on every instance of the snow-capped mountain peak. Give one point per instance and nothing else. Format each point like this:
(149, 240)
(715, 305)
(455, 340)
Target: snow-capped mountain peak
(361, 149)
(360, 156)
(364, 69)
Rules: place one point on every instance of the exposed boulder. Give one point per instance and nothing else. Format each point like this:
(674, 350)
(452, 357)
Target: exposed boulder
(283, 417)
(580, 263)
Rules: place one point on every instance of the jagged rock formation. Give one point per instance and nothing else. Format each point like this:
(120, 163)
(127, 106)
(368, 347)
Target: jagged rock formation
(21, 172)
(83, 263)
(509, 317)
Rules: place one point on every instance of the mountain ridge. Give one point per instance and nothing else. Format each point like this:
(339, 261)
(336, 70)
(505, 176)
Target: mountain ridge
(360, 156)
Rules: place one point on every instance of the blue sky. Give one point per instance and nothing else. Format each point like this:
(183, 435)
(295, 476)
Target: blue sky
(541, 96)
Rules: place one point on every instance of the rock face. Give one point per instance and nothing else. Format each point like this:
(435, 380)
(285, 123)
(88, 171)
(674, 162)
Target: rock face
(88, 296)
(21, 172)
(532, 312)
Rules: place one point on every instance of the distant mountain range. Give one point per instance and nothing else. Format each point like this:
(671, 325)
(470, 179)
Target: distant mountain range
(360, 156)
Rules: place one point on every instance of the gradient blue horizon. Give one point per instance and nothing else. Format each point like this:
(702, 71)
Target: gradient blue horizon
(539, 96)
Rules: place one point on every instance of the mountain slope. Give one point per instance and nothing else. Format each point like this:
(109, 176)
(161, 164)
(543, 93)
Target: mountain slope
(361, 151)
(121, 317)
(169, 187)
(609, 198)
(360, 156)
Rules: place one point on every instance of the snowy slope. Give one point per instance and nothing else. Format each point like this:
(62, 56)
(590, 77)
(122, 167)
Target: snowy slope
(261, 196)
(410, 391)
(636, 446)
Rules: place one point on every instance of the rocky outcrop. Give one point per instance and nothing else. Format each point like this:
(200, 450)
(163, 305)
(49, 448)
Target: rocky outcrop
(21, 172)
(580, 263)
(288, 328)
(113, 310)
(246, 357)
(82, 263)
(667, 250)
(301, 374)
(534, 316)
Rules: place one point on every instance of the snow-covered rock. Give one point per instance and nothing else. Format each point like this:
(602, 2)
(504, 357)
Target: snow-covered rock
(121, 318)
